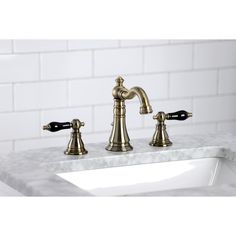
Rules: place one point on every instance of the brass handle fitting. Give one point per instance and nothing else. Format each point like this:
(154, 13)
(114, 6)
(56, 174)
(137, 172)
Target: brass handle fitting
(160, 137)
(75, 145)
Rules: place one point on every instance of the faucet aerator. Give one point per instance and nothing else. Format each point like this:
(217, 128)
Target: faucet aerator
(145, 110)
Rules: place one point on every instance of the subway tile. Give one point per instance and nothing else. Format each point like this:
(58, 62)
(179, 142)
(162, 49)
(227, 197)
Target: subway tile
(227, 81)
(133, 118)
(141, 133)
(214, 109)
(168, 106)
(39, 45)
(96, 138)
(118, 61)
(5, 46)
(227, 127)
(91, 91)
(6, 147)
(19, 125)
(67, 115)
(215, 54)
(46, 142)
(103, 117)
(191, 129)
(195, 83)
(92, 44)
(88, 91)
(16, 68)
(168, 58)
(40, 95)
(5, 97)
(155, 86)
(66, 65)
(133, 43)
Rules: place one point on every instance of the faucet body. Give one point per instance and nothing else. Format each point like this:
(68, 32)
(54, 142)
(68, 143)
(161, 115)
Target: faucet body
(119, 138)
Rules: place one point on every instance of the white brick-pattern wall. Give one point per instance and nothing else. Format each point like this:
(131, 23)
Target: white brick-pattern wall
(58, 80)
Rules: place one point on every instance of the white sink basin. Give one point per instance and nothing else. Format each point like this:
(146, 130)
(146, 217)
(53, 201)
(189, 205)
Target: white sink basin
(138, 179)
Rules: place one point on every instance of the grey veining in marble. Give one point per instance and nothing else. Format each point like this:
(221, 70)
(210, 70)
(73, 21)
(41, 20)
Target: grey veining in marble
(33, 172)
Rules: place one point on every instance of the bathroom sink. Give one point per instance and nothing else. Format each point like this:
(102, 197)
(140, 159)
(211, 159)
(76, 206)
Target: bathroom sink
(144, 178)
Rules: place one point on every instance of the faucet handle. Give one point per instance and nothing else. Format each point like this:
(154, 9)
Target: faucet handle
(160, 137)
(76, 145)
(178, 115)
(57, 126)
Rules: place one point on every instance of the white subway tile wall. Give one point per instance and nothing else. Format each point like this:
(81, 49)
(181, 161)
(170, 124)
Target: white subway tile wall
(29, 46)
(168, 58)
(118, 61)
(58, 80)
(66, 65)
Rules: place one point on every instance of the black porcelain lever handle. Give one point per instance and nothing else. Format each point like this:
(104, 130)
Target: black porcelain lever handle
(178, 115)
(56, 126)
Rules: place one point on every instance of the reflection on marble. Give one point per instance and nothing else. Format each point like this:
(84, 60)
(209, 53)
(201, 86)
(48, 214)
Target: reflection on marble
(33, 172)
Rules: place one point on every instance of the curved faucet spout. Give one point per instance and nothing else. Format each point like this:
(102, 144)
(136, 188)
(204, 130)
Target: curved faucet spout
(145, 106)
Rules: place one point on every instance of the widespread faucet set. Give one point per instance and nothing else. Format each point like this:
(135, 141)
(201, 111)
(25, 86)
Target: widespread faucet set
(119, 139)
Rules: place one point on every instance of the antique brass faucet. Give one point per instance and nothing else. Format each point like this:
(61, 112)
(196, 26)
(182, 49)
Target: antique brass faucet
(119, 139)
(75, 145)
(160, 137)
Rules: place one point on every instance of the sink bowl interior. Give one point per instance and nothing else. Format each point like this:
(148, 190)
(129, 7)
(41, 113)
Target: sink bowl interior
(144, 178)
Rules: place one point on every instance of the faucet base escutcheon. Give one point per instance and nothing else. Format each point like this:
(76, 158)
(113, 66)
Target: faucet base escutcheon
(115, 147)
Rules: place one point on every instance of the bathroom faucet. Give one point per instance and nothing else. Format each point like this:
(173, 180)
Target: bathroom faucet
(160, 137)
(75, 145)
(119, 139)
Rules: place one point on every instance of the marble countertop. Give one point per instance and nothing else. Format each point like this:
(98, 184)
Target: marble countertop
(33, 172)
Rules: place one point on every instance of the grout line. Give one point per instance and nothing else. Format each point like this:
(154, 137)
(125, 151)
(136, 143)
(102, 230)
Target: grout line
(130, 129)
(68, 93)
(40, 66)
(192, 105)
(93, 62)
(168, 86)
(218, 82)
(124, 74)
(40, 122)
(110, 103)
(193, 55)
(93, 119)
(13, 97)
(143, 60)
(121, 47)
